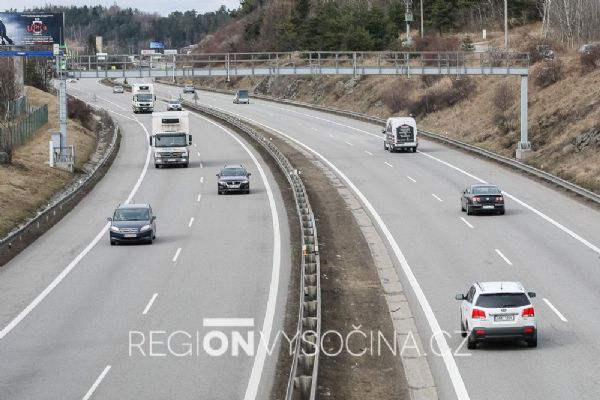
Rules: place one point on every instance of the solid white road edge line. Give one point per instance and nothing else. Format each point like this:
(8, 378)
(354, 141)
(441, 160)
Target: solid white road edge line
(149, 304)
(176, 254)
(90, 392)
(562, 317)
(261, 353)
(444, 349)
(506, 260)
(467, 222)
(40, 297)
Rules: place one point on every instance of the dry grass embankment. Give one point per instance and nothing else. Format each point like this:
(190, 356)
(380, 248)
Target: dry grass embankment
(29, 183)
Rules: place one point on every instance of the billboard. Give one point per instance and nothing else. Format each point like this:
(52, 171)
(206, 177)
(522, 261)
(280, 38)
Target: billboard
(157, 45)
(31, 28)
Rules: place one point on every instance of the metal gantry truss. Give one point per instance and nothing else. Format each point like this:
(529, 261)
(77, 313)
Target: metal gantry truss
(457, 64)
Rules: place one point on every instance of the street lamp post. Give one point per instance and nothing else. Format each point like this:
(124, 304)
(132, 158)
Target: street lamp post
(421, 19)
(506, 24)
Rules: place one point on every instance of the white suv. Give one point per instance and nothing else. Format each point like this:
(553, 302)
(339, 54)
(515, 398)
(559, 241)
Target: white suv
(497, 310)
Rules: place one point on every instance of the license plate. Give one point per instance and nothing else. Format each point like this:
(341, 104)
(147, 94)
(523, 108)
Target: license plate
(501, 318)
(171, 160)
(488, 207)
(130, 235)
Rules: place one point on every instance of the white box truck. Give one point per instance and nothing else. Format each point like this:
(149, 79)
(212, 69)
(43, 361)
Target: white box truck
(143, 97)
(400, 133)
(171, 139)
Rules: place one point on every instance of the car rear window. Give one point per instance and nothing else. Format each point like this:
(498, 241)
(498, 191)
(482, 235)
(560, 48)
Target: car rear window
(486, 190)
(502, 300)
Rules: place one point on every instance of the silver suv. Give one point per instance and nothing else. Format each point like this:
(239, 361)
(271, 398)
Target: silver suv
(497, 310)
(233, 178)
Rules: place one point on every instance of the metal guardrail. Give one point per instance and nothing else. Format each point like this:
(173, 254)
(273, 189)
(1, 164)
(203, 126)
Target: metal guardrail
(302, 383)
(36, 224)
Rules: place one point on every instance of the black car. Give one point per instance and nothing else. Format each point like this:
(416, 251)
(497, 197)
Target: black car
(482, 198)
(233, 178)
(132, 223)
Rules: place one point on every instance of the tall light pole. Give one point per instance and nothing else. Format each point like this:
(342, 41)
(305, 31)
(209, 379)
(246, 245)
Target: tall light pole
(408, 17)
(506, 24)
(421, 19)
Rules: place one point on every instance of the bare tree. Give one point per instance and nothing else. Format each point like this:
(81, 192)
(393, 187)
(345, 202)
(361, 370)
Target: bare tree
(9, 87)
(572, 21)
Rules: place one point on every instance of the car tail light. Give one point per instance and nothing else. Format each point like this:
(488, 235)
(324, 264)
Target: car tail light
(499, 198)
(528, 312)
(528, 330)
(480, 331)
(478, 313)
(476, 199)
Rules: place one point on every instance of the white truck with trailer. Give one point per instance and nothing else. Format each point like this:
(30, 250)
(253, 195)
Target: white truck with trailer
(171, 139)
(400, 133)
(143, 97)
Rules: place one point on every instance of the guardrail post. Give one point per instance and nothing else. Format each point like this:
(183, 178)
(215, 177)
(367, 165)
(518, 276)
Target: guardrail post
(354, 64)
(524, 147)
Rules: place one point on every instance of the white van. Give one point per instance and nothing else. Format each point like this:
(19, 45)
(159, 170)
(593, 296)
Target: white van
(400, 133)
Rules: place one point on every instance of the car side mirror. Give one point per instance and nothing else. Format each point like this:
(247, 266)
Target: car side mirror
(531, 294)
(154, 98)
(190, 139)
(383, 131)
(154, 218)
(218, 175)
(249, 173)
(109, 219)
(150, 139)
(460, 297)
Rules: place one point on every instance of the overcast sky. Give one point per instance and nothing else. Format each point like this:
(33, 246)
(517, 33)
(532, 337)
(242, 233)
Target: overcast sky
(163, 7)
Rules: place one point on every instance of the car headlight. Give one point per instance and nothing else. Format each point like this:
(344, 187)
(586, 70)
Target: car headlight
(115, 229)
(245, 181)
(145, 228)
(157, 155)
(224, 183)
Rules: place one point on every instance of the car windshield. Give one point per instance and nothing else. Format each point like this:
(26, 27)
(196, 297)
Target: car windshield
(233, 172)
(131, 214)
(242, 94)
(486, 190)
(502, 300)
(170, 140)
(118, 87)
(173, 101)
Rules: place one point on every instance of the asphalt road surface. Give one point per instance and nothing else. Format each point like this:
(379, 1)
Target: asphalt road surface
(82, 319)
(547, 240)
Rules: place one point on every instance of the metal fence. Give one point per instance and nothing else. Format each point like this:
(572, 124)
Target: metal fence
(18, 132)
(15, 108)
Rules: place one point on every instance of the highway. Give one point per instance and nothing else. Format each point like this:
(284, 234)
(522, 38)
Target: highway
(547, 240)
(71, 305)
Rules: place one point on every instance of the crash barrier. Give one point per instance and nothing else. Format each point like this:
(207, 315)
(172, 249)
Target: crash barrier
(302, 383)
(21, 237)
(18, 132)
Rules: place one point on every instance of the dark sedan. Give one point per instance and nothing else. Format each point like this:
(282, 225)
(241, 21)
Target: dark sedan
(132, 223)
(482, 198)
(233, 178)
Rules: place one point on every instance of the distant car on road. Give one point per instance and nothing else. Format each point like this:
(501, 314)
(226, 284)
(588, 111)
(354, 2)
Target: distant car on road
(72, 80)
(189, 89)
(497, 311)
(233, 178)
(132, 223)
(118, 89)
(241, 96)
(482, 198)
(174, 105)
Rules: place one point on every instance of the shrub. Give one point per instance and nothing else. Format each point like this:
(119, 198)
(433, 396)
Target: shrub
(548, 73)
(397, 96)
(589, 59)
(82, 112)
(442, 96)
(436, 43)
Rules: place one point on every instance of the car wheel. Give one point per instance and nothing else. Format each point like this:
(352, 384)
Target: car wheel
(112, 242)
(502, 212)
(463, 330)
(462, 207)
(469, 212)
(247, 191)
(150, 240)
(156, 166)
(186, 165)
(385, 146)
(532, 342)
(391, 148)
(471, 343)
(220, 193)
(414, 149)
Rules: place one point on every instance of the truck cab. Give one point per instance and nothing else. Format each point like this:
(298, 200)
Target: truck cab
(170, 139)
(241, 96)
(400, 133)
(143, 97)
